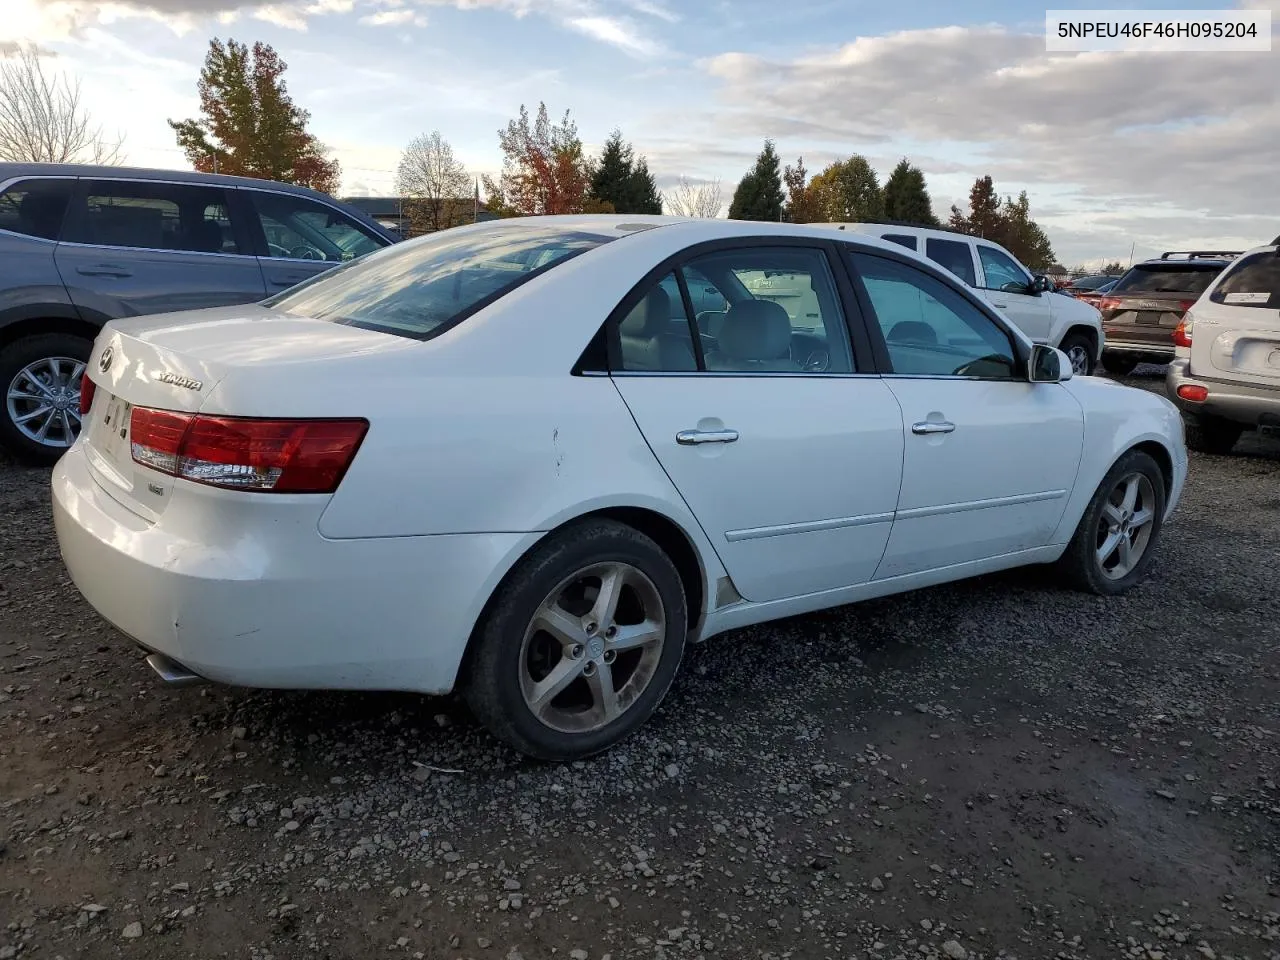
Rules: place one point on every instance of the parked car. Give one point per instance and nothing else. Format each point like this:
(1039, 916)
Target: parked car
(506, 460)
(1141, 311)
(82, 245)
(1226, 372)
(1029, 301)
(1087, 284)
(1094, 297)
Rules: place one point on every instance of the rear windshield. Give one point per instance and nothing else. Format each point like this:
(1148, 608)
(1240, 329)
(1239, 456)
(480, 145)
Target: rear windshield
(1252, 282)
(1182, 278)
(422, 287)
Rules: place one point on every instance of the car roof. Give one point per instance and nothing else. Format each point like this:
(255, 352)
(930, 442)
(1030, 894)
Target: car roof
(9, 171)
(889, 226)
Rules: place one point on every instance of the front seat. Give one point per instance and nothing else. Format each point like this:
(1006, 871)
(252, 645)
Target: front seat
(755, 335)
(649, 341)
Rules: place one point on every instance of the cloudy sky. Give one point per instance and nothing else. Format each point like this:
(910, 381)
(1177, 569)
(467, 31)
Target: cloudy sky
(1157, 150)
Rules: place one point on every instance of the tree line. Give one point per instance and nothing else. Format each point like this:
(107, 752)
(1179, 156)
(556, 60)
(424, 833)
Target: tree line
(249, 125)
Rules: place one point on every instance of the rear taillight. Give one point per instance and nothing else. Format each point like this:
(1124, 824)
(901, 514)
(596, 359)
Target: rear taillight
(1109, 303)
(241, 453)
(1193, 392)
(86, 394)
(1182, 332)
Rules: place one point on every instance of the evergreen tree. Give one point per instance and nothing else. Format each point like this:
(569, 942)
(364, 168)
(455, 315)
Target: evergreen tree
(906, 196)
(759, 194)
(622, 181)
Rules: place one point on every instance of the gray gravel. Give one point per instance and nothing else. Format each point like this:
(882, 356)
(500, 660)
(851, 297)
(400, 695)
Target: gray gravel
(995, 768)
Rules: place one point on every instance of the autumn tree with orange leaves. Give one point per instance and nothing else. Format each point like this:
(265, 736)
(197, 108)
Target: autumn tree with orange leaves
(544, 169)
(249, 126)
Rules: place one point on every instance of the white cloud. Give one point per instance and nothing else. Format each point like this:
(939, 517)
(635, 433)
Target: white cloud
(617, 31)
(394, 18)
(654, 10)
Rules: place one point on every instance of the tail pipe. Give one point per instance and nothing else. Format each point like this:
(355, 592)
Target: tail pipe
(174, 673)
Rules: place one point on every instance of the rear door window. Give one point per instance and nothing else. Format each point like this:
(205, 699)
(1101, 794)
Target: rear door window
(955, 255)
(154, 216)
(1189, 280)
(420, 288)
(1253, 282)
(298, 228)
(35, 208)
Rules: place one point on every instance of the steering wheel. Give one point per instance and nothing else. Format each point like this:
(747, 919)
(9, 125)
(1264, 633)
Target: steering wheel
(817, 361)
(305, 252)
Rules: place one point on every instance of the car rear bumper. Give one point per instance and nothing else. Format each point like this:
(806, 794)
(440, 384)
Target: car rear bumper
(1238, 402)
(272, 603)
(1154, 342)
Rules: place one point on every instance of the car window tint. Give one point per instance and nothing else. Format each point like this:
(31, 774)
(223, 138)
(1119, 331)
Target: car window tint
(1000, 270)
(1254, 281)
(421, 287)
(930, 328)
(654, 335)
(35, 207)
(155, 216)
(954, 255)
(782, 313)
(298, 228)
(902, 239)
(1168, 278)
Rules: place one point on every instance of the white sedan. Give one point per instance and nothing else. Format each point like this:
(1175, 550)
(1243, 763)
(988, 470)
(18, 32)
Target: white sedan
(531, 459)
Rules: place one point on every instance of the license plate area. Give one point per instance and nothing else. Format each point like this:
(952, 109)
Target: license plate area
(111, 430)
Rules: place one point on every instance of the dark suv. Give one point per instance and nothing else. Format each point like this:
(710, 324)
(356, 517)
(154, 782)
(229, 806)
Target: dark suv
(1140, 313)
(82, 245)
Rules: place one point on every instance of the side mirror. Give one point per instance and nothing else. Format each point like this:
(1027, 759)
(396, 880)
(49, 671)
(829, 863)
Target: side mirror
(1049, 365)
(1041, 284)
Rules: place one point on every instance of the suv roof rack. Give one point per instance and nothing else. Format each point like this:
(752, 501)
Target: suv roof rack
(1200, 254)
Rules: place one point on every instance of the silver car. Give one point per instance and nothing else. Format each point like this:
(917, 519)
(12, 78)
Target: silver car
(81, 245)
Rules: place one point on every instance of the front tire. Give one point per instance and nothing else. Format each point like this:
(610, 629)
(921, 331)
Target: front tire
(1212, 434)
(1079, 350)
(1117, 536)
(580, 644)
(40, 376)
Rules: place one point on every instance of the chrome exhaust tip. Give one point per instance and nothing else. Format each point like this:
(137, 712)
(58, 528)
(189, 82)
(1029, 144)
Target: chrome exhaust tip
(174, 673)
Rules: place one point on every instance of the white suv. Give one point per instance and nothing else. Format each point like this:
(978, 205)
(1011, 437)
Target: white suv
(1028, 300)
(1225, 375)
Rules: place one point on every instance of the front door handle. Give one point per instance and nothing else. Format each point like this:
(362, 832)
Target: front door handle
(997, 303)
(926, 427)
(104, 270)
(690, 437)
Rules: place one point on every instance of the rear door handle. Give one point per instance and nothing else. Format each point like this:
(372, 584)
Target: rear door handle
(691, 437)
(104, 270)
(997, 303)
(926, 427)
(279, 281)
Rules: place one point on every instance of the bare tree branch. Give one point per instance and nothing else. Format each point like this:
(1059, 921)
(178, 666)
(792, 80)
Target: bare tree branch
(688, 199)
(435, 185)
(42, 118)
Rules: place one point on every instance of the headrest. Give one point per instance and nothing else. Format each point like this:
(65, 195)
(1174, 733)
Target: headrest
(206, 236)
(755, 330)
(650, 317)
(913, 331)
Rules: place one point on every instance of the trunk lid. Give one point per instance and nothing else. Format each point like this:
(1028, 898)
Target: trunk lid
(1154, 296)
(174, 362)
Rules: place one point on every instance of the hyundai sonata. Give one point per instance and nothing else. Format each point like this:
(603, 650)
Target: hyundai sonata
(530, 460)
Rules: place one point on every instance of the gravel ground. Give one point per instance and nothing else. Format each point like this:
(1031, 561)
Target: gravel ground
(994, 768)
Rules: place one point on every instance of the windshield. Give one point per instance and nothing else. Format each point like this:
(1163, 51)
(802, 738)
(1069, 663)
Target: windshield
(1182, 278)
(421, 288)
(1254, 282)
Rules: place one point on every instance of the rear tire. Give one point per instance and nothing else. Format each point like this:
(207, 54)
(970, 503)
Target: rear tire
(1080, 351)
(1212, 435)
(1119, 364)
(1097, 559)
(550, 627)
(34, 370)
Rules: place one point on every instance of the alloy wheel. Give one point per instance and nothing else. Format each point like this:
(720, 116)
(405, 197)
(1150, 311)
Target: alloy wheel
(1125, 525)
(592, 647)
(1079, 358)
(43, 401)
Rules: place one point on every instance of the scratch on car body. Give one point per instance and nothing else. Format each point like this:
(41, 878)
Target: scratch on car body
(555, 445)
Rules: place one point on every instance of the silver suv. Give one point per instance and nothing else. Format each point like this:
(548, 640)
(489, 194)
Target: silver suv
(82, 245)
